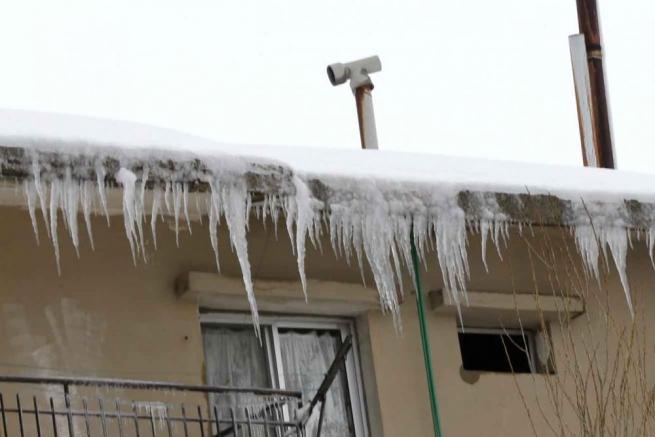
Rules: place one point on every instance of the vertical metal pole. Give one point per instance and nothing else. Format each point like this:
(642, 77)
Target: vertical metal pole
(266, 413)
(54, 418)
(168, 422)
(20, 415)
(119, 419)
(4, 418)
(234, 422)
(249, 422)
(184, 425)
(36, 417)
(366, 117)
(135, 415)
(86, 417)
(153, 431)
(67, 402)
(201, 422)
(103, 420)
(218, 422)
(602, 133)
(425, 342)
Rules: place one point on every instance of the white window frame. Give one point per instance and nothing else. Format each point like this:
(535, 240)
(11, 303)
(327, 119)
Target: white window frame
(344, 326)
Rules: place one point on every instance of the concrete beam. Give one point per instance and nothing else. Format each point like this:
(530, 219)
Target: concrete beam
(214, 291)
(502, 309)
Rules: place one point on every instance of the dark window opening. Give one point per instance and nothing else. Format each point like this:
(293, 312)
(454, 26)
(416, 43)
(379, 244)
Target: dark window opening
(497, 351)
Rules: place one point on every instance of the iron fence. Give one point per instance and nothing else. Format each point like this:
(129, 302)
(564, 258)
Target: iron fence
(86, 407)
(83, 414)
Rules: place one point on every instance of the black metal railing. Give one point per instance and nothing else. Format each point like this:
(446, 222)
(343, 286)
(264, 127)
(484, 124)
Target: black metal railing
(83, 407)
(87, 407)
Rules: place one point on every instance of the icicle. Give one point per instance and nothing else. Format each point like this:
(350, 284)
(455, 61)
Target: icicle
(185, 198)
(140, 212)
(36, 173)
(214, 218)
(128, 180)
(248, 209)
(651, 244)
(54, 204)
(100, 181)
(359, 253)
(617, 240)
(597, 227)
(398, 268)
(378, 238)
(71, 195)
(371, 230)
(499, 234)
(30, 197)
(275, 215)
(87, 188)
(304, 216)
(214, 214)
(451, 240)
(289, 210)
(158, 411)
(484, 235)
(234, 200)
(167, 197)
(333, 235)
(403, 239)
(587, 244)
(177, 204)
(198, 210)
(156, 203)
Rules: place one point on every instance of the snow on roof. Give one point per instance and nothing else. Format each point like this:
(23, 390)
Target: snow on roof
(374, 201)
(78, 134)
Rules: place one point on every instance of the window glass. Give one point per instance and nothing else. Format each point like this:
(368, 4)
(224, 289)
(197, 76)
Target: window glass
(306, 358)
(235, 358)
(292, 355)
(497, 351)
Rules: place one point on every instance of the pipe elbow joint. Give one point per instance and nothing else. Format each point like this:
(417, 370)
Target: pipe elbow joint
(356, 71)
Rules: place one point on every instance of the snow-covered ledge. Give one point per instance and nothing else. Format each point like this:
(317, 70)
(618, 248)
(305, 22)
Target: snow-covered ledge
(370, 204)
(18, 164)
(494, 309)
(214, 291)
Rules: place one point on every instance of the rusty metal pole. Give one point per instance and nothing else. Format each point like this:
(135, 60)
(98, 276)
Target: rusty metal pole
(600, 118)
(366, 117)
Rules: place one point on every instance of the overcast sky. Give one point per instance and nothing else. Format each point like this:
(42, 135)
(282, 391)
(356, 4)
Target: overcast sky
(475, 78)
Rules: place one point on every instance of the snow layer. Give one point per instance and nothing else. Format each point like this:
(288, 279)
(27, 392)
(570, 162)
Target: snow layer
(372, 202)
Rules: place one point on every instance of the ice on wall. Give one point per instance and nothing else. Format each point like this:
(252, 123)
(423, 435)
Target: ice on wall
(370, 221)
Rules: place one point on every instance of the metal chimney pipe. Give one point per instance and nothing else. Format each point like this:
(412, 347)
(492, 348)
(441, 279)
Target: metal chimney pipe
(591, 92)
(357, 72)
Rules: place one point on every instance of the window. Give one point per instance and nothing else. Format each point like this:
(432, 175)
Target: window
(497, 350)
(294, 354)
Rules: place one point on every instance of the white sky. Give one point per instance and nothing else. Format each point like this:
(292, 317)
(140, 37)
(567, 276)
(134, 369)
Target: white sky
(476, 78)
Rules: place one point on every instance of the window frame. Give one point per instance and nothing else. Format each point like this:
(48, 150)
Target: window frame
(345, 327)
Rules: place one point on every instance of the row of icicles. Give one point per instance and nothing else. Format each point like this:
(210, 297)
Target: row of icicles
(371, 233)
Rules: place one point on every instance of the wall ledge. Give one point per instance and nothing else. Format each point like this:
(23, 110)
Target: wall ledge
(494, 308)
(214, 291)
